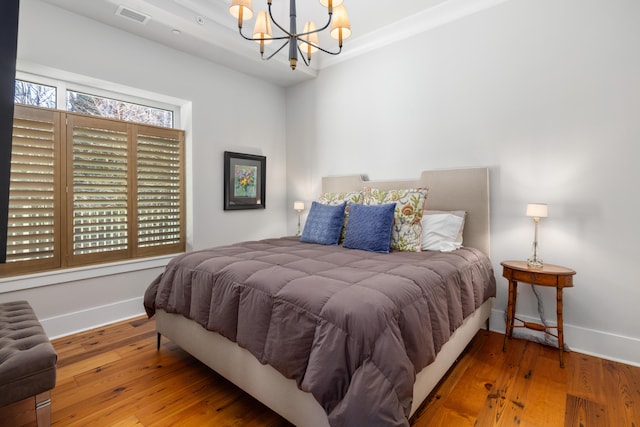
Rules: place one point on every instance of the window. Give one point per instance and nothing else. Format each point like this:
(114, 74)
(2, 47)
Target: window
(106, 107)
(86, 190)
(40, 95)
(31, 89)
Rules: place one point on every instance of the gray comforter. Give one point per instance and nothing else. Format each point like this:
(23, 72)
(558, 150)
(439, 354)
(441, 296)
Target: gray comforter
(351, 327)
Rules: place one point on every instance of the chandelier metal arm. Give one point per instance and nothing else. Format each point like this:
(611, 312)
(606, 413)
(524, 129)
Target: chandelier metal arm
(302, 55)
(296, 36)
(316, 30)
(257, 39)
(279, 49)
(288, 34)
(322, 49)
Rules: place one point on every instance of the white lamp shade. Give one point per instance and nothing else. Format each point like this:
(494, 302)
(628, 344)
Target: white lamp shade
(244, 5)
(340, 26)
(537, 210)
(325, 3)
(298, 206)
(311, 38)
(262, 29)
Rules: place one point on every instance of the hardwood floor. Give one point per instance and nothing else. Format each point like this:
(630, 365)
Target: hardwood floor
(113, 376)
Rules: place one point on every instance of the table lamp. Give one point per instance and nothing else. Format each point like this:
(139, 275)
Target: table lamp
(298, 206)
(537, 211)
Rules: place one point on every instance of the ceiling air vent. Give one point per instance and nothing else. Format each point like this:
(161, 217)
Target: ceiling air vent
(132, 14)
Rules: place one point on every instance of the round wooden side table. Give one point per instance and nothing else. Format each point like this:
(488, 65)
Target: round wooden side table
(546, 275)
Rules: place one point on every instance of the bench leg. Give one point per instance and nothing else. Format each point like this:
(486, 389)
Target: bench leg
(43, 409)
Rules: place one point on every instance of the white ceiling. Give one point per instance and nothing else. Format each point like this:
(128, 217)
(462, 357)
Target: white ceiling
(208, 30)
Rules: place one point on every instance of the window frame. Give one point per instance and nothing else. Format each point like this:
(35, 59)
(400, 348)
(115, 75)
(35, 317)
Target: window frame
(182, 109)
(62, 86)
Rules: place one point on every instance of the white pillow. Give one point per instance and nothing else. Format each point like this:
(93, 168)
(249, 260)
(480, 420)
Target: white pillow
(442, 231)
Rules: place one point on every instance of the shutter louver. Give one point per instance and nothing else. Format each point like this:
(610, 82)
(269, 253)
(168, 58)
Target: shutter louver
(159, 189)
(99, 186)
(33, 239)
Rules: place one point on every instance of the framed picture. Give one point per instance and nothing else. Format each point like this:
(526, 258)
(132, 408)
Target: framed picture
(244, 181)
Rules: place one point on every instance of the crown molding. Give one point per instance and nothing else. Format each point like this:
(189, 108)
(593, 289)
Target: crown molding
(437, 16)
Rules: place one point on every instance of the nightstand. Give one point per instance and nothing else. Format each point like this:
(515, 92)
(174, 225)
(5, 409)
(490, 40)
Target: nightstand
(546, 275)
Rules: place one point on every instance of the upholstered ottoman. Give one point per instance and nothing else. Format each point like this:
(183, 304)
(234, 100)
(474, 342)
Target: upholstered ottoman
(27, 359)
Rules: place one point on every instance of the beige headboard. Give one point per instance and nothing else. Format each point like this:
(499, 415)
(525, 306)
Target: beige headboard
(449, 189)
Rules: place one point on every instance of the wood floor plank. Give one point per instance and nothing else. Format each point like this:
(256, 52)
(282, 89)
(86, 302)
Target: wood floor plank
(99, 344)
(502, 406)
(128, 398)
(103, 379)
(114, 376)
(130, 421)
(466, 385)
(435, 402)
(83, 365)
(219, 407)
(586, 378)
(583, 413)
(548, 390)
(21, 413)
(620, 383)
(469, 397)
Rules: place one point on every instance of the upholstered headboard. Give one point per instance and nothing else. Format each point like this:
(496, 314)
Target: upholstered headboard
(449, 189)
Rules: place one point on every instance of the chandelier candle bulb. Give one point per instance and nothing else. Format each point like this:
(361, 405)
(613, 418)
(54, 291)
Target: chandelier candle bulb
(242, 10)
(331, 3)
(309, 39)
(340, 26)
(262, 30)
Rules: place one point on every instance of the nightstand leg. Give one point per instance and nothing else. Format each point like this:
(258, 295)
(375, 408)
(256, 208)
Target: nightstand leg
(511, 311)
(560, 331)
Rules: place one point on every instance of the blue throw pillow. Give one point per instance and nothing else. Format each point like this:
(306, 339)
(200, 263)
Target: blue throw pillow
(324, 224)
(369, 227)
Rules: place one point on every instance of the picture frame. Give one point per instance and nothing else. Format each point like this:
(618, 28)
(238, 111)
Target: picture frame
(245, 178)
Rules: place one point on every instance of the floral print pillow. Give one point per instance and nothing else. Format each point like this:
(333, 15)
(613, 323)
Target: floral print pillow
(406, 234)
(338, 198)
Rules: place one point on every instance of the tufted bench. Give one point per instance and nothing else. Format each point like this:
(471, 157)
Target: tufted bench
(27, 359)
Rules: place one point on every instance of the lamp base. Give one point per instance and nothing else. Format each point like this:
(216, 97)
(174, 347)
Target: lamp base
(534, 261)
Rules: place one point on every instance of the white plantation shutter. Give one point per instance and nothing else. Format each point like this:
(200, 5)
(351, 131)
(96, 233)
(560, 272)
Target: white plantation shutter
(33, 238)
(160, 195)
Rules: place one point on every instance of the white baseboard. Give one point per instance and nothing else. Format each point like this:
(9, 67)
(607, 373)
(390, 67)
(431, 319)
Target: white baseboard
(95, 317)
(581, 340)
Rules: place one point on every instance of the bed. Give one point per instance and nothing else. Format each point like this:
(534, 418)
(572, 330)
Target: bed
(324, 368)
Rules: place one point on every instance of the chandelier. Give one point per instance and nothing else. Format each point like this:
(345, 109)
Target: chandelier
(305, 42)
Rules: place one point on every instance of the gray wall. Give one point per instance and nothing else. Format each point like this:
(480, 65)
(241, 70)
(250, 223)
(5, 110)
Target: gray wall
(544, 92)
(218, 116)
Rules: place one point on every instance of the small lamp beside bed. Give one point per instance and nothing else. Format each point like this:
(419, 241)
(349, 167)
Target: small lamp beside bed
(298, 206)
(537, 211)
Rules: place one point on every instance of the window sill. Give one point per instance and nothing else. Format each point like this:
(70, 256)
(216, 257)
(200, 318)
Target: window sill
(54, 277)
